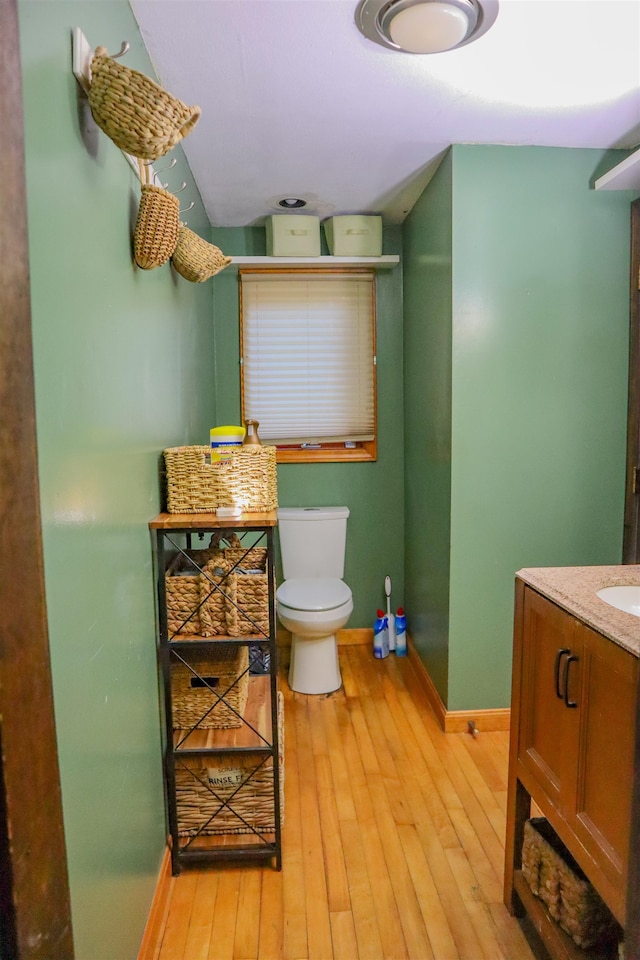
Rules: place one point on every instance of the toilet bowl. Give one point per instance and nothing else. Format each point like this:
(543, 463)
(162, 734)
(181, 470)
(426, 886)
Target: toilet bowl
(313, 602)
(314, 609)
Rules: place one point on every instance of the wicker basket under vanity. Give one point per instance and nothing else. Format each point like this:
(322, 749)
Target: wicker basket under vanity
(555, 877)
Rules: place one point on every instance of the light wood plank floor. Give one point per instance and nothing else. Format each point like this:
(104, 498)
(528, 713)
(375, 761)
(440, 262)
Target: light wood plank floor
(392, 844)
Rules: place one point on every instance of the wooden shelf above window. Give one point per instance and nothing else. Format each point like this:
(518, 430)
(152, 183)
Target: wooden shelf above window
(305, 263)
(624, 176)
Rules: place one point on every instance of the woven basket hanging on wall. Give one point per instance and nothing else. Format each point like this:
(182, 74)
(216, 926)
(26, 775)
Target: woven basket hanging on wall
(135, 112)
(156, 229)
(195, 259)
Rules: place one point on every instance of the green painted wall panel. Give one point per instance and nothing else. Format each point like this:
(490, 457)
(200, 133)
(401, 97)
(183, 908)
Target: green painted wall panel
(538, 364)
(541, 268)
(427, 402)
(120, 358)
(372, 491)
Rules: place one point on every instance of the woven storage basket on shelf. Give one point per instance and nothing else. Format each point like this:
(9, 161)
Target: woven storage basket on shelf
(245, 590)
(223, 671)
(555, 877)
(182, 587)
(195, 259)
(156, 230)
(199, 809)
(135, 112)
(248, 479)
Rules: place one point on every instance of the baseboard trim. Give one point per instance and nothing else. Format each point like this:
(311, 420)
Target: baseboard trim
(156, 921)
(455, 721)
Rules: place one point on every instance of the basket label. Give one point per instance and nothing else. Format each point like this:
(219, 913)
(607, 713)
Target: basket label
(221, 777)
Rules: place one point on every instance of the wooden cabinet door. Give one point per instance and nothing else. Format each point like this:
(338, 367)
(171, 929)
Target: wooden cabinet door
(548, 746)
(606, 760)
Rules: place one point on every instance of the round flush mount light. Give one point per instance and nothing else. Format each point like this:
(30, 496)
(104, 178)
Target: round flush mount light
(425, 26)
(292, 203)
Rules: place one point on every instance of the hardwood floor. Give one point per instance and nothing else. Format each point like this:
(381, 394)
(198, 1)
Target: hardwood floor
(392, 844)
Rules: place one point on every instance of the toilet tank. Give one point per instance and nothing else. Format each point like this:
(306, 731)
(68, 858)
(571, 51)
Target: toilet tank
(312, 541)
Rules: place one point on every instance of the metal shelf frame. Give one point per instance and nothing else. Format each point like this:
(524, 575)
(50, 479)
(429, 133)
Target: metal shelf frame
(173, 535)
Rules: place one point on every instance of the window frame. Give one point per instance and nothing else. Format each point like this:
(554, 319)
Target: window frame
(365, 450)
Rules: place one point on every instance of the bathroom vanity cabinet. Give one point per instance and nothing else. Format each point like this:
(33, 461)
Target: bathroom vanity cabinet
(572, 744)
(217, 664)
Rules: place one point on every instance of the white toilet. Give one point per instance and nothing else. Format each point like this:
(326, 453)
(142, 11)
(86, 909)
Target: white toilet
(313, 602)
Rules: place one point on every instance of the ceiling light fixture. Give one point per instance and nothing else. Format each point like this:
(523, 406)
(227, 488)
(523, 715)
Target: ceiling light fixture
(292, 202)
(425, 26)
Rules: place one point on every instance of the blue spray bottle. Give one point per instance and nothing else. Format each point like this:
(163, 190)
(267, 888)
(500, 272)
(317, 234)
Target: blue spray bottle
(401, 633)
(380, 636)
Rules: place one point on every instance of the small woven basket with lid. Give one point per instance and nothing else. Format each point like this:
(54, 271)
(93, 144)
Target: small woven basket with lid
(135, 112)
(195, 259)
(156, 229)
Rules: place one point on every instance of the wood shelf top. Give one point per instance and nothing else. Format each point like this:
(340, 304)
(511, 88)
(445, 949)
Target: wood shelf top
(209, 521)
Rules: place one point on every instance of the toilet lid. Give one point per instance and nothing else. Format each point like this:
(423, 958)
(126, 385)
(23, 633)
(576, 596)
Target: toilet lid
(313, 593)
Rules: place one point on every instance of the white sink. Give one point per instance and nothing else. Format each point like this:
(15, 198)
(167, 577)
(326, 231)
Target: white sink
(624, 598)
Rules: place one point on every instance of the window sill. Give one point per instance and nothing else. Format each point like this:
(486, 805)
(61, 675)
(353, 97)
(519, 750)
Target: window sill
(367, 453)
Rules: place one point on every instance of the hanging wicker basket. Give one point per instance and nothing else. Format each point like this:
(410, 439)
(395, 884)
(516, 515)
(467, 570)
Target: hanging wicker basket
(195, 259)
(156, 229)
(135, 112)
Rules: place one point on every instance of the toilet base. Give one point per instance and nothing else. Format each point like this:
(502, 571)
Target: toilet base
(314, 666)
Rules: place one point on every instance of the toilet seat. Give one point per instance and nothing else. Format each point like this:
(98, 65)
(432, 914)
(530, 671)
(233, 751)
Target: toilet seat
(313, 594)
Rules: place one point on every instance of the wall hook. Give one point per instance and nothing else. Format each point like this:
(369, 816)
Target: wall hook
(170, 167)
(124, 48)
(181, 187)
(192, 204)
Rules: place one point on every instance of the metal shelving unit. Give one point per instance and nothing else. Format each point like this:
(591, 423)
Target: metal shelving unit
(223, 736)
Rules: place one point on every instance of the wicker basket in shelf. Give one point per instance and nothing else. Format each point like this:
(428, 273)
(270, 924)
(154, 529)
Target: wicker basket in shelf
(244, 609)
(219, 591)
(135, 112)
(247, 479)
(182, 585)
(555, 877)
(198, 680)
(245, 780)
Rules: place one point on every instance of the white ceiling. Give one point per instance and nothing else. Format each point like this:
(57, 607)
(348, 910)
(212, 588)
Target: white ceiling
(297, 103)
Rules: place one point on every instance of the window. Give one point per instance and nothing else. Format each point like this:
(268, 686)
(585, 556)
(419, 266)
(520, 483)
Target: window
(308, 362)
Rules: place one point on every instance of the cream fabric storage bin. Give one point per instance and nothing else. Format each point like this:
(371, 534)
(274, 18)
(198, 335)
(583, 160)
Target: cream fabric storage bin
(293, 236)
(354, 236)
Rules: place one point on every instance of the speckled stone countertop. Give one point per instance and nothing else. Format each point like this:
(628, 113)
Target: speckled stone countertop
(574, 589)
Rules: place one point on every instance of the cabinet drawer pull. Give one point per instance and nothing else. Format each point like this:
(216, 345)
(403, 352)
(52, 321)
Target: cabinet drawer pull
(559, 655)
(569, 703)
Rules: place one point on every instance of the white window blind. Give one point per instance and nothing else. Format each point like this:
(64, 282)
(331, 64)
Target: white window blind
(308, 346)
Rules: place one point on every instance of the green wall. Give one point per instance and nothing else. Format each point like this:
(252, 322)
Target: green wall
(372, 491)
(428, 310)
(538, 342)
(123, 368)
